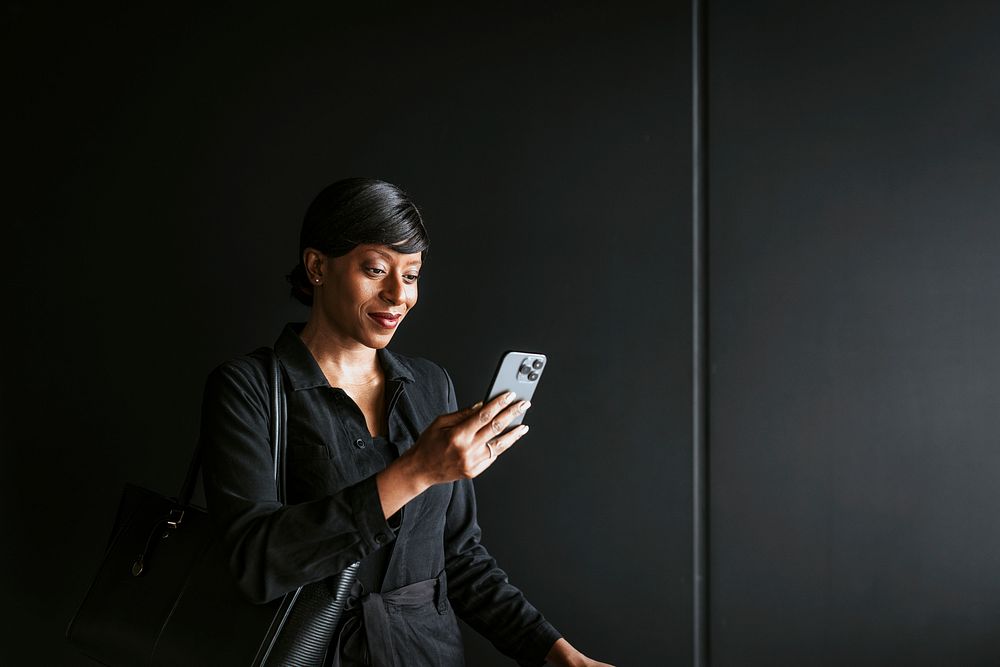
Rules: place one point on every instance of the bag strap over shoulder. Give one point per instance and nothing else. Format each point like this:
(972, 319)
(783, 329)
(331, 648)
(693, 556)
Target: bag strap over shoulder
(278, 403)
(311, 617)
(279, 429)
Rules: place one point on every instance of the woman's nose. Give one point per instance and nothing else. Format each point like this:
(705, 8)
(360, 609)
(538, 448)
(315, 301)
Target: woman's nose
(393, 290)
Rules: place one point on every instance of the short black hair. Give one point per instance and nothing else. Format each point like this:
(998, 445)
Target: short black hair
(352, 212)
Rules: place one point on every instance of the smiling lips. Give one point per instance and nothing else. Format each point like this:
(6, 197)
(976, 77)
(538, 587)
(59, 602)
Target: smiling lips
(386, 320)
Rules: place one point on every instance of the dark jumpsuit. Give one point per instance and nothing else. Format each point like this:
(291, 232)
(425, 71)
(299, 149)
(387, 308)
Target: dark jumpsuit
(333, 514)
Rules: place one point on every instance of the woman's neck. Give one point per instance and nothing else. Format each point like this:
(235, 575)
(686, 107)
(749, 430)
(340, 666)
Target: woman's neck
(354, 368)
(343, 363)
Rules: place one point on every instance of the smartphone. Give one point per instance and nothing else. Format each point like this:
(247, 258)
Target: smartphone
(518, 372)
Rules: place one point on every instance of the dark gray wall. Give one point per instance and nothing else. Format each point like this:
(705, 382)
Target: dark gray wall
(855, 180)
(162, 160)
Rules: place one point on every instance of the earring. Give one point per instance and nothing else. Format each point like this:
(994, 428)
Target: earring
(316, 280)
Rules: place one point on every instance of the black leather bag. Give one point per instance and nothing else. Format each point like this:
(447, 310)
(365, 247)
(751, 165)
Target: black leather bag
(164, 595)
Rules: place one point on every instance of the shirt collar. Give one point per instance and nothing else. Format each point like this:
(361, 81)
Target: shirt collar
(303, 371)
(394, 366)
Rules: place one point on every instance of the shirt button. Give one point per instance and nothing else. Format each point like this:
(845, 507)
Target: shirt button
(359, 443)
(381, 538)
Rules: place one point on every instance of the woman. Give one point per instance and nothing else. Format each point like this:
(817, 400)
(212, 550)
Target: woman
(379, 459)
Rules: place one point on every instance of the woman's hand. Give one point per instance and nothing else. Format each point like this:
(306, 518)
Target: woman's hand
(463, 444)
(563, 654)
(457, 445)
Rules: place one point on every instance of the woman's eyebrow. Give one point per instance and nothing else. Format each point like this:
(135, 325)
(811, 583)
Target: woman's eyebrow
(382, 254)
(390, 258)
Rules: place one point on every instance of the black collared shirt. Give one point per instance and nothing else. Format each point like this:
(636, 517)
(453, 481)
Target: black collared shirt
(333, 514)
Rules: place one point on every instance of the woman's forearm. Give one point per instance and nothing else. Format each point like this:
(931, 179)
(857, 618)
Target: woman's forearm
(399, 483)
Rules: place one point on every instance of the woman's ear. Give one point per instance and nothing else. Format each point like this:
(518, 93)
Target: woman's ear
(314, 262)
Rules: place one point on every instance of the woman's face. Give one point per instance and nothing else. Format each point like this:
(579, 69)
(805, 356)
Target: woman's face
(364, 295)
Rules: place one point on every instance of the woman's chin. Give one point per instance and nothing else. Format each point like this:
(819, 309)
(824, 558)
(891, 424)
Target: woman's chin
(378, 340)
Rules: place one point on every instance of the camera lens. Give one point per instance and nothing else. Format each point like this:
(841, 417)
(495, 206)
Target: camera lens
(537, 363)
(532, 376)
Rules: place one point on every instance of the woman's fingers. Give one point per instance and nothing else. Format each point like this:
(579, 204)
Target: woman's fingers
(459, 416)
(451, 420)
(497, 446)
(486, 414)
(466, 442)
(494, 447)
(491, 419)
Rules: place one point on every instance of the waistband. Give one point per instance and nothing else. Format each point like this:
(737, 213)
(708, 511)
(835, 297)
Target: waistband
(365, 635)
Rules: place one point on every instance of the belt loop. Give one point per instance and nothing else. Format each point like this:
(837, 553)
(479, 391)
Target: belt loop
(441, 591)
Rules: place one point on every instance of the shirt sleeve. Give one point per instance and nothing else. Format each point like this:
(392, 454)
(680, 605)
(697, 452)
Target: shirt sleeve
(480, 591)
(273, 548)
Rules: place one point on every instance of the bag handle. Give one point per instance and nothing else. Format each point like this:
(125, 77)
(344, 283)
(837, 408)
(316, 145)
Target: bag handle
(278, 435)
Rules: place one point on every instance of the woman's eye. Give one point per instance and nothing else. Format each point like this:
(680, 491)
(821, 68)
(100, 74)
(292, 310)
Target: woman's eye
(374, 270)
(411, 277)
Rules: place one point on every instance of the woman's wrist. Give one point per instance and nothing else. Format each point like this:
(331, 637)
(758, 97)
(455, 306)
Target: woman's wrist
(415, 472)
(399, 483)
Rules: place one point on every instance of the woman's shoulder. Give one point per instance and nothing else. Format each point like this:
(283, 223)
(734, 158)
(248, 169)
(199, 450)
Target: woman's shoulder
(244, 373)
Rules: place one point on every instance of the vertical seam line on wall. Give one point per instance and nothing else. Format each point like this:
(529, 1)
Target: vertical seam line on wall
(700, 340)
